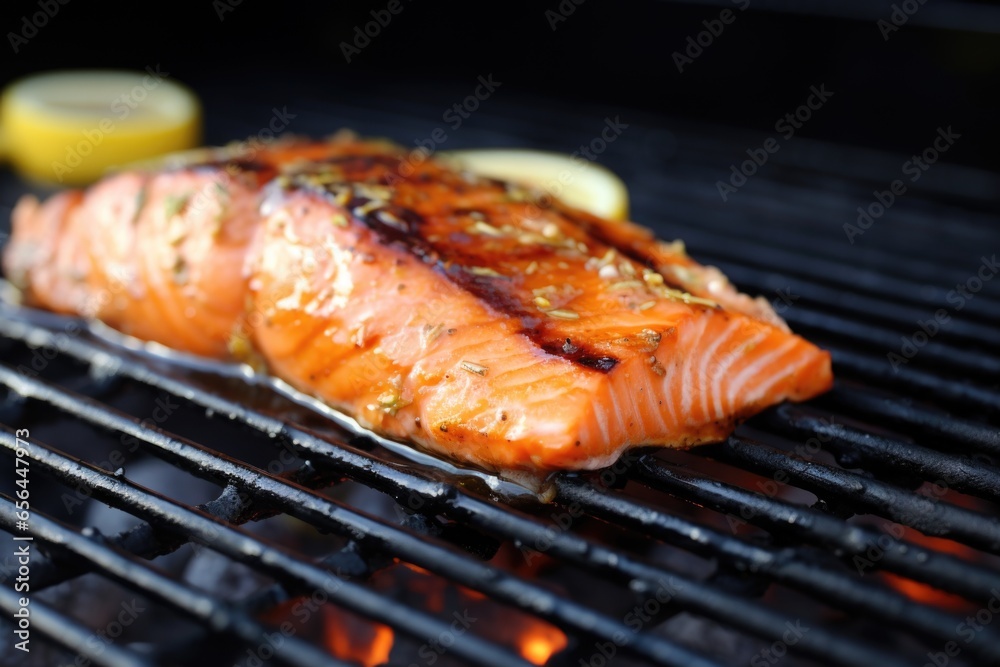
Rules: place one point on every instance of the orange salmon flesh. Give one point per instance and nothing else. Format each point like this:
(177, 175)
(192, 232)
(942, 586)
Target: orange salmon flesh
(469, 316)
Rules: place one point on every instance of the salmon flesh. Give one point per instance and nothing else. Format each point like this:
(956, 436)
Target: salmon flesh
(472, 317)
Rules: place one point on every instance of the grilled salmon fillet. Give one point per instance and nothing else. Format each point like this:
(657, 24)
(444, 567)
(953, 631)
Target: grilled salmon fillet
(470, 316)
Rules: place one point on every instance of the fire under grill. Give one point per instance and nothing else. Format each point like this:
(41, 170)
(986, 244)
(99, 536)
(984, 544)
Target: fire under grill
(179, 517)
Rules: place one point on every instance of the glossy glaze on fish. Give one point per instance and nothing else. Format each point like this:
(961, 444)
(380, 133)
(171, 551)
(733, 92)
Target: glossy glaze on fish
(469, 316)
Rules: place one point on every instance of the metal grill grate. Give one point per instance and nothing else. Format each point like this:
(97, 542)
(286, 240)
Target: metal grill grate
(883, 433)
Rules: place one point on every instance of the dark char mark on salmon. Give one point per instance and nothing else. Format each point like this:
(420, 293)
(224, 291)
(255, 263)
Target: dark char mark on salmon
(402, 227)
(632, 253)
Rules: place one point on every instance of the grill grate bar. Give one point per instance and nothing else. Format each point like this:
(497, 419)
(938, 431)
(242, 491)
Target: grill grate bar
(878, 451)
(146, 542)
(218, 536)
(792, 239)
(842, 275)
(795, 188)
(937, 569)
(867, 308)
(316, 510)
(745, 272)
(69, 634)
(694, 220)
(913, 419)
(916, 382)
(866, 495)
(786, 566)
(703, 599)
(692, 227)
(267, 424)
(138, 575)
(459, 505)
(766, 627)
(939, 354)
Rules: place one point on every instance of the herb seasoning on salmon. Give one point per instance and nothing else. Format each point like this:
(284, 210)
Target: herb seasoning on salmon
(466, 315)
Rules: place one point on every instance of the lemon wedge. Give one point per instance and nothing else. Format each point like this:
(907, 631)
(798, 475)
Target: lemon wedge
(71, 126)
(576, 181)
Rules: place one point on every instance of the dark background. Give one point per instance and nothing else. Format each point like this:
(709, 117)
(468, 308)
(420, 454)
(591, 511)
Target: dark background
(942, 67)
(560, 79)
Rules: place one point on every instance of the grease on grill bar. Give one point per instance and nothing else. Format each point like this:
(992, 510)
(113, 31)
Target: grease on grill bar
(801, 567)
(858, 529)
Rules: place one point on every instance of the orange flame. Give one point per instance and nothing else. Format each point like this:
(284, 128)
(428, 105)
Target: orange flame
(352, 638)
(539, 643)
(919, 592)
(368, 644)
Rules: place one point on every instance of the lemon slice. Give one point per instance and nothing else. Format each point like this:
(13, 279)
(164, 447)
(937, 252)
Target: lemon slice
(70, 126)
(576, 181)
